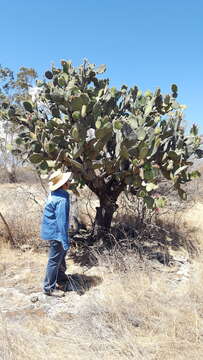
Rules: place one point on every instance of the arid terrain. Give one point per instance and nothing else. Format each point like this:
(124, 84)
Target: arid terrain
(124, 307)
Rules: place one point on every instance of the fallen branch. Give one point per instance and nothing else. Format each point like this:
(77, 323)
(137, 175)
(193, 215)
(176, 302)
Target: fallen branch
(8, 230)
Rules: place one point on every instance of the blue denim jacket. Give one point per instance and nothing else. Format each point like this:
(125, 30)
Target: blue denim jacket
(55, 220)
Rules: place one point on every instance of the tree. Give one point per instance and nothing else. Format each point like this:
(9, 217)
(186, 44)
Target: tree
(13, 89)
(111, 139)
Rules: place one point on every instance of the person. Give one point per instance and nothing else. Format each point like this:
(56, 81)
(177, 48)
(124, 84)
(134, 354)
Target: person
(54, 228)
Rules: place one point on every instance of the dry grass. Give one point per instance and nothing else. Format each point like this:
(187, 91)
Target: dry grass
(138, 309)
(142, 313)
(21, 205)
(23, 175)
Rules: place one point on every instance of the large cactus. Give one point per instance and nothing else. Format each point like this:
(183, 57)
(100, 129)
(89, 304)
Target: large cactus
(109, 138)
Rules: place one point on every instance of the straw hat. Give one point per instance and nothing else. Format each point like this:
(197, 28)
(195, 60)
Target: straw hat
(58, 179)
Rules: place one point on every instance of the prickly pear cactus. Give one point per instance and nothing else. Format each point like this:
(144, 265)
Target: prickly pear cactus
(111, 139)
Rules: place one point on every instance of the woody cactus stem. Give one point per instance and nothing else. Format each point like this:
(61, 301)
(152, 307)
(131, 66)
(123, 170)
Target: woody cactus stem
(103, 219)
(104, 213)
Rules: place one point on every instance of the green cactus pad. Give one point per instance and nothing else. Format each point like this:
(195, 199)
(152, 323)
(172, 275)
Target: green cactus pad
(28, 106)
(35, 158)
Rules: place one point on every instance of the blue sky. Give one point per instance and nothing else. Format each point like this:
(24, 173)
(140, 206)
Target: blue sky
(144, 43)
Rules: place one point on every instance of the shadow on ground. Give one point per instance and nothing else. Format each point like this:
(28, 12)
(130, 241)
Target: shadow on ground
(152, 240)
(81, 283)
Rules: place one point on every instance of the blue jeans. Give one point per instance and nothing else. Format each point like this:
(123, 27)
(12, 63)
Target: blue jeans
(56, 267)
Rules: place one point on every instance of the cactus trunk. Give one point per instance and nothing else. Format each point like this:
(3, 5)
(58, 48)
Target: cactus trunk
(103, 219)
(108, 196)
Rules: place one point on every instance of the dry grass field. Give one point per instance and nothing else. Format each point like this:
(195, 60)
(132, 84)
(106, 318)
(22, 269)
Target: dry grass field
(130, 308)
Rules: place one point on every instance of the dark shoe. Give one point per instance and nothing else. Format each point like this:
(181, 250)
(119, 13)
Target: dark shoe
(65, 285)
(55, 293)
(61, 286)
